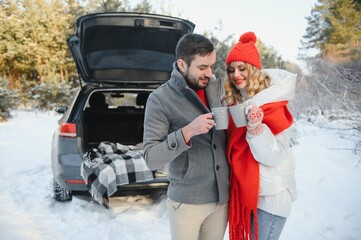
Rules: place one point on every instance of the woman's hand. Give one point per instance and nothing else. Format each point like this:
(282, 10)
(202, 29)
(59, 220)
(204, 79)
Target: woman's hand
(254, 117)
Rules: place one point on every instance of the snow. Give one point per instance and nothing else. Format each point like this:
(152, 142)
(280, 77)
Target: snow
(328, 174)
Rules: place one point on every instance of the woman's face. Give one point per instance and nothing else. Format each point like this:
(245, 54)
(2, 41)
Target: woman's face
(238, 74)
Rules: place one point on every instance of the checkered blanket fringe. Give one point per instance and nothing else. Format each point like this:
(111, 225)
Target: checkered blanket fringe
(111, 165)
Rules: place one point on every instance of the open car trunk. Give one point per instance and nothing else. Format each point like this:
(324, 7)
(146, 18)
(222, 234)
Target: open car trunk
(114, 116)
(126, 47)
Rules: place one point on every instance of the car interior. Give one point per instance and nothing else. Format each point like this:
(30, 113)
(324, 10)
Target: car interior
(119, 124)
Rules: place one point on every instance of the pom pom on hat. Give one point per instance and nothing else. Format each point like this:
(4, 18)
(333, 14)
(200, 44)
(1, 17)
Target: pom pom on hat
(245, 51)
(248, 37)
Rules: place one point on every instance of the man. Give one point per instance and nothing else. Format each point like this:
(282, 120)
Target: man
(179, 131)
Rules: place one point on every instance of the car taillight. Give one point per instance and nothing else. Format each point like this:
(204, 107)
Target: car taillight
(67, 130)
(75, 181)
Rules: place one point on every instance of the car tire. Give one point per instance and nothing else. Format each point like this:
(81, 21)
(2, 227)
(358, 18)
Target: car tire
(61, 194)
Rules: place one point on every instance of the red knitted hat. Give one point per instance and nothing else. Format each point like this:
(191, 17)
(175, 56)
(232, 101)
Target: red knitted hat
(245, 50)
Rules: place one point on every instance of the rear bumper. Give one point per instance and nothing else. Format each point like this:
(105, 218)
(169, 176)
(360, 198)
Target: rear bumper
(66, 170)
(157, 183)
(154, 184)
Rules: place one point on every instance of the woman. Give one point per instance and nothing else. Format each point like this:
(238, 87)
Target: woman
(260, 156)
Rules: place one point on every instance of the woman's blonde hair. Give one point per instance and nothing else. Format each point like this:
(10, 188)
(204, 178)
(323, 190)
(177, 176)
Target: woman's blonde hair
(256, 82)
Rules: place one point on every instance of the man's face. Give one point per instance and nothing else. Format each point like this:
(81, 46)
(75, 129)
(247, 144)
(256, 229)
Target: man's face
(199, 73)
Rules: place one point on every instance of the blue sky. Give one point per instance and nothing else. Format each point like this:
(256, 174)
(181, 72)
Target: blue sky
(278, 23)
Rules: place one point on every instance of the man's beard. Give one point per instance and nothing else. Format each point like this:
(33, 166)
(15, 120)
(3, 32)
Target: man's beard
(194, 83)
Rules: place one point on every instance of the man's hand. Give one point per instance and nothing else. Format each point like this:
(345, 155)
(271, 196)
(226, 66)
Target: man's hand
(200, 125)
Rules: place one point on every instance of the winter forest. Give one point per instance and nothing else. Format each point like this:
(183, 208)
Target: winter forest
(37, 70)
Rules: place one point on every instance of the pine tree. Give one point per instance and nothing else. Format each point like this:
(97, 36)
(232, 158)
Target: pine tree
(334, 29)
(33, 37)
(112, 6)
(144, 7)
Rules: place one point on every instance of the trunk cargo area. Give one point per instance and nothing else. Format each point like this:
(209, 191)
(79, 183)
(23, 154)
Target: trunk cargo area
(118, 121)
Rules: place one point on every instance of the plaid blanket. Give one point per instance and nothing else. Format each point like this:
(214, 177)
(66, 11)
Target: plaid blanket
(110, 165)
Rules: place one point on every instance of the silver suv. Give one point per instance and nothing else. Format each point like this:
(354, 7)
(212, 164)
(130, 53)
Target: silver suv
(120, 59)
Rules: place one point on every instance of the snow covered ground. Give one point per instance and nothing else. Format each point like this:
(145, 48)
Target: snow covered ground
(328, 178)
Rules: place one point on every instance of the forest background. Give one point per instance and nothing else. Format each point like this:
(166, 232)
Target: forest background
(37, 70)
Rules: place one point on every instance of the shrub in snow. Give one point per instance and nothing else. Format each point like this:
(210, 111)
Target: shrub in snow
(8, 99)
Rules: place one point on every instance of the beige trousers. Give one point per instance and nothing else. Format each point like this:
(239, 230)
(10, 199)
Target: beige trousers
(197, 222)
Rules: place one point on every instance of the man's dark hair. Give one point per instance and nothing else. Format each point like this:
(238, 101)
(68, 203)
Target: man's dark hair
(193, 44)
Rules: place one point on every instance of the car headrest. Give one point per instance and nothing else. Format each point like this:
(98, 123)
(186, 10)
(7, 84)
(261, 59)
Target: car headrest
(142, 99)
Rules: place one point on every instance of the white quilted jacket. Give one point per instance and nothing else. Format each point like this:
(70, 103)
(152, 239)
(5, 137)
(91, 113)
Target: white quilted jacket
(277, 164)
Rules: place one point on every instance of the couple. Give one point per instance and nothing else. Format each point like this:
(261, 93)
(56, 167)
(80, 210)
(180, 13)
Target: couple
(242, 176)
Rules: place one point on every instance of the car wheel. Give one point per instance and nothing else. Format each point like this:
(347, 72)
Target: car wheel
(61, 194)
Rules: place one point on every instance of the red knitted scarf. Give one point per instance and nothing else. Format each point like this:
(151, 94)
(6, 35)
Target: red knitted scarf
(245, 171)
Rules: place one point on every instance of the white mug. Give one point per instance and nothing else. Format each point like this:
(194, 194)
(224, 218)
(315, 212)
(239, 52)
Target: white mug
(220, 115)
(238, 114)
